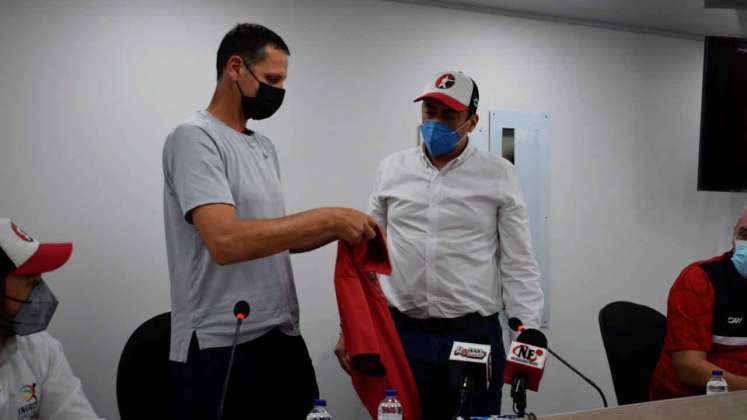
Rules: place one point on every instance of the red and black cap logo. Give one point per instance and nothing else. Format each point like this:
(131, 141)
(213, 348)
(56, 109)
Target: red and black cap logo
(445, 81)
(20, 233)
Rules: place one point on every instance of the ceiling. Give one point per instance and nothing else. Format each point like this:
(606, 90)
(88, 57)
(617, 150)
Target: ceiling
(676, 17)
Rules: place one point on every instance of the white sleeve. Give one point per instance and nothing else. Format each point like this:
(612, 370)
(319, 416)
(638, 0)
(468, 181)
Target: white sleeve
(520, 274)
(376, 204)
(62, 394)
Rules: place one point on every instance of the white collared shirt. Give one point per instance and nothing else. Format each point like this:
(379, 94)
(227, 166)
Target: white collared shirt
(36, 382)
(459, 239)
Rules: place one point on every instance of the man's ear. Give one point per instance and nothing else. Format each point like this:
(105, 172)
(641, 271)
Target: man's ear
(473, 120)
(233, 68)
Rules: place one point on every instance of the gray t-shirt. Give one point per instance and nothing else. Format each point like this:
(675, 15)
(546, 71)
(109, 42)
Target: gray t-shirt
(205, 162)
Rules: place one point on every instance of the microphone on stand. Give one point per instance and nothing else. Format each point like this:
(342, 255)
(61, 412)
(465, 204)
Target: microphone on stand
(241, 312)
(469, 366)
(525, 365)
(516, 325)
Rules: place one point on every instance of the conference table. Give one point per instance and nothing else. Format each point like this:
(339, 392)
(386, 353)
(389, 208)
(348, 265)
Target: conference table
(728, 406)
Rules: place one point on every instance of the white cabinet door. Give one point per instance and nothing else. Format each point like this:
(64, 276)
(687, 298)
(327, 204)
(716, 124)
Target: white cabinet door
(522, 137)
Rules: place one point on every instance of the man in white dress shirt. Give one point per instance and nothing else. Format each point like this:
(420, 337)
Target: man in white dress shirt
(459, 244)
(36, 381)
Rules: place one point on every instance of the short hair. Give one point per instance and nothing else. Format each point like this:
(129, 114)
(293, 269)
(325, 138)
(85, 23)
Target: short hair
(247, 40)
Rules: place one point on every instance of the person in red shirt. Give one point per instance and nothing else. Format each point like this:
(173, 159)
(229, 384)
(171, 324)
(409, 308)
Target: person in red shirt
(706, 324)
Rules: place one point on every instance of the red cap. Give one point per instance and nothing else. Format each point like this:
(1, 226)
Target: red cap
(21, 254)
(454, 89)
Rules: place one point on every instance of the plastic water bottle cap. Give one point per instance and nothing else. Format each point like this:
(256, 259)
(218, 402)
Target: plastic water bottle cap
(717, 373)
(320, 403)
(390, 392)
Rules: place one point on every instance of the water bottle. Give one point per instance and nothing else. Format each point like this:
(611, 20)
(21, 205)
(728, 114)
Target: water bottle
(717, 384)
(390, 407)
(319, 412)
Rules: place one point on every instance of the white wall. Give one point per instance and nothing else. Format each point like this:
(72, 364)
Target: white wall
(90, 89)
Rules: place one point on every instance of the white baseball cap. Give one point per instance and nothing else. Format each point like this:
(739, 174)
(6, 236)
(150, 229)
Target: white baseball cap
(454, 89)
(21, 254)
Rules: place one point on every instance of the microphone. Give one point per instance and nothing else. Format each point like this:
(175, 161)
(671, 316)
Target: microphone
(241, 312)
(469, 368)
(526, 357)
(525, 364)
(516, 325)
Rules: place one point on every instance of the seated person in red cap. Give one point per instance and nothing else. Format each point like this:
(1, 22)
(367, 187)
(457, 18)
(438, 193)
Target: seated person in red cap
(36, 381)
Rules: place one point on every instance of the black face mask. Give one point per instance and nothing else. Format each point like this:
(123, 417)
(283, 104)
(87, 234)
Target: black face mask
(266, 103)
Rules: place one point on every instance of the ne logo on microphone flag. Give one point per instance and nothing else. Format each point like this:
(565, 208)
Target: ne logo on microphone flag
(527, 355)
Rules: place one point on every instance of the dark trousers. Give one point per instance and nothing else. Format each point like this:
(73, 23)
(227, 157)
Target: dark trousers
(272, 377)
(427, 346)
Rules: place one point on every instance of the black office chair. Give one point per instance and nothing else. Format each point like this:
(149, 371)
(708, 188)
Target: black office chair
(143, 373)
(633, 337)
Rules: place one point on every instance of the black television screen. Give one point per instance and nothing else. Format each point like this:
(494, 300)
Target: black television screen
(723, 125)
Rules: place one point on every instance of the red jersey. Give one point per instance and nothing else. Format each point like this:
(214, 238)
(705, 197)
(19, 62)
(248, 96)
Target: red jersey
(373, 344)
(706, 311)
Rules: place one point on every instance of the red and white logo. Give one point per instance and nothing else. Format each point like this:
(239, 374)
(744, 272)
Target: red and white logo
(445, 81)
(528, 353)
(470, 352)
(21, 234)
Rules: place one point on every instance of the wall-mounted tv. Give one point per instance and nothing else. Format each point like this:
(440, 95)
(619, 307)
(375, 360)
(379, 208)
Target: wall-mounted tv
(723, 126)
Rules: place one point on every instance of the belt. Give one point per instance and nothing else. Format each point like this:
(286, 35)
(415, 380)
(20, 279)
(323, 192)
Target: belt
(442, 325)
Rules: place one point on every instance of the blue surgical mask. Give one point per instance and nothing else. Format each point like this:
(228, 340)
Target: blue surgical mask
(439, 138)
(739, 258)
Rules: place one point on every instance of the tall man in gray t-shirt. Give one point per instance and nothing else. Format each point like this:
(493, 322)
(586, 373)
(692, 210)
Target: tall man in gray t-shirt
(228, 239)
